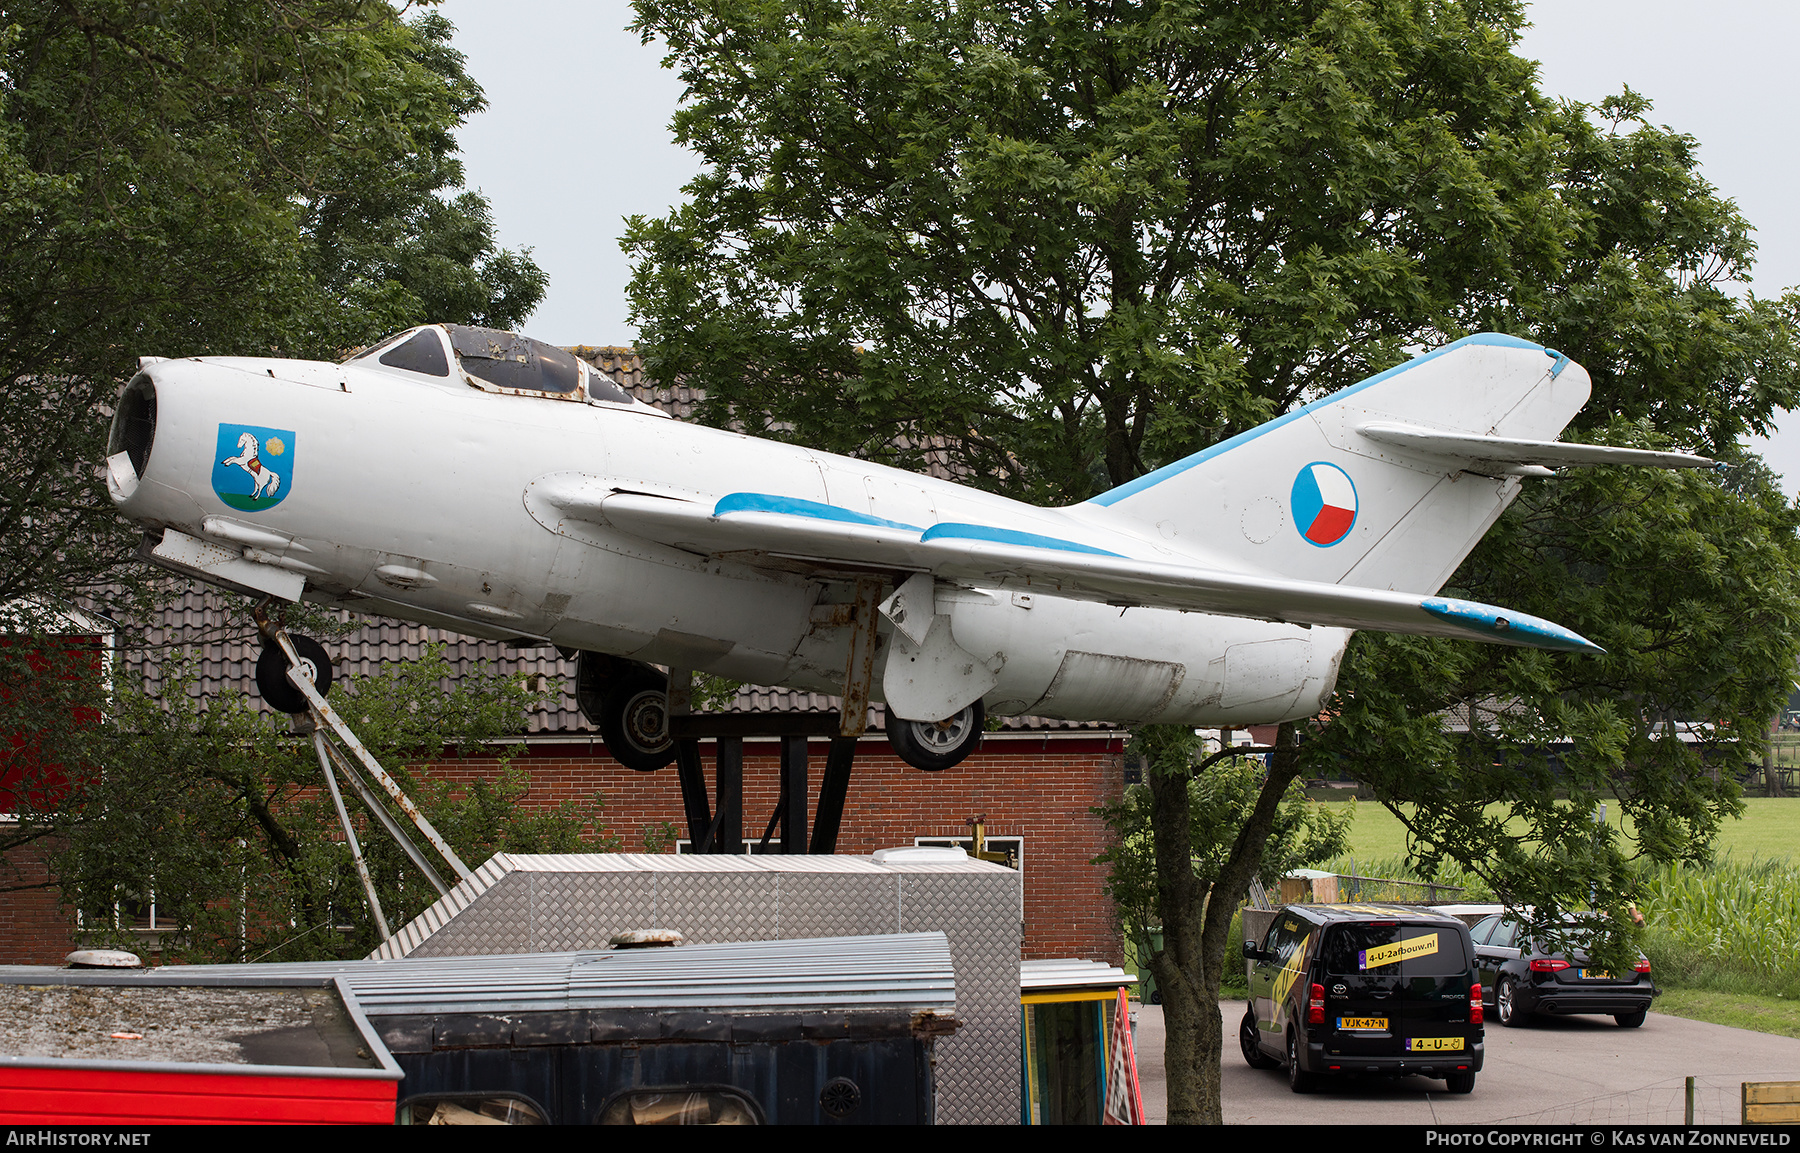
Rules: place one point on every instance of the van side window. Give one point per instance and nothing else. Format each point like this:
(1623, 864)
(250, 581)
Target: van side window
(1285, 935)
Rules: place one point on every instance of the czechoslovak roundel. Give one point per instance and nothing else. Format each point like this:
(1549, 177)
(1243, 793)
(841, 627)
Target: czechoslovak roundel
(1324, 503)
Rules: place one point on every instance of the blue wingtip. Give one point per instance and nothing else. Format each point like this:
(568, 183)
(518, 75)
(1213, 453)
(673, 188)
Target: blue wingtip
(1501, 624)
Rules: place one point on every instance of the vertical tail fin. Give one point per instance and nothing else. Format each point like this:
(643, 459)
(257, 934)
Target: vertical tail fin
(1307, 495)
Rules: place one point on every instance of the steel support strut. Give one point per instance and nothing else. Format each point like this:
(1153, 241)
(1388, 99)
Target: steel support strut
(324, 716)
(362, 867)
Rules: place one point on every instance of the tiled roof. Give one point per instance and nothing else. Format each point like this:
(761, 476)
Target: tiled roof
(216, 629)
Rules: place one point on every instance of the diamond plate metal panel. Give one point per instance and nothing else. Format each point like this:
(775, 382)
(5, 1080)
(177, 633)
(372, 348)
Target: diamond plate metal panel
(727, 906)
(583, 910)
(497, 921)
(812, 904)
(980, 915)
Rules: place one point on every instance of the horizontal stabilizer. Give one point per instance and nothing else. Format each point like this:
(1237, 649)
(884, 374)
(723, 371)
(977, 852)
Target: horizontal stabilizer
(744, 525)
(1515, 455)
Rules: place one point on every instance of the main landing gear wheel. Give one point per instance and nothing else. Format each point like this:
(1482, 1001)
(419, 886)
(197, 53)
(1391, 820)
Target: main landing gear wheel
(937, 745)
(629, 703)
(272, 668)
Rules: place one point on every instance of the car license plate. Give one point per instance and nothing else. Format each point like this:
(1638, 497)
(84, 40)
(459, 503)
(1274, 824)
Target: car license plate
(1362, 1023)
(1595, 975)
(1434, 1044)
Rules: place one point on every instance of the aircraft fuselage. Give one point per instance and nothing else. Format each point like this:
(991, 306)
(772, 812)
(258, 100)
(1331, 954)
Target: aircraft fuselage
(434, 502)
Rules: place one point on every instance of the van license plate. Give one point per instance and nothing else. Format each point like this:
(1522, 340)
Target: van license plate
(1434, 1044)
(1353, 1023)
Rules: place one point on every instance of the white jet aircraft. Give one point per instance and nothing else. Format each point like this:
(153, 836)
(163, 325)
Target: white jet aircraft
(490, 484)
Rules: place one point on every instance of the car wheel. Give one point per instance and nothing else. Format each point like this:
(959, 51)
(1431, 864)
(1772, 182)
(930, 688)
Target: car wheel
(937, 745)
(1250, 1041)
(1299, 1080)
(1460, 1082)
(1506, 1003)
(272, 668)
(1629, 1020)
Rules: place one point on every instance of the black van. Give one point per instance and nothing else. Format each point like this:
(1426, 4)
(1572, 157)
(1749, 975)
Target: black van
(1364, 989)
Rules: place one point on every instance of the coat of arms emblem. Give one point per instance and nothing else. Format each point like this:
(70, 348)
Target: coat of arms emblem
(254, 466)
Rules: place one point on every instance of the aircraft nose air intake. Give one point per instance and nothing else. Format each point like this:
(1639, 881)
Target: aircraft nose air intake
(133, 434)
(1513, 627)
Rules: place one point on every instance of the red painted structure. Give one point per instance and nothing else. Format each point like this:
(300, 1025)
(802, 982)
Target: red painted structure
(113, 1093)
(298, 1061)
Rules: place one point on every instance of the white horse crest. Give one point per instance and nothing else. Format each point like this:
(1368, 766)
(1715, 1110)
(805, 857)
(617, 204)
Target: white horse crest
(268, 481)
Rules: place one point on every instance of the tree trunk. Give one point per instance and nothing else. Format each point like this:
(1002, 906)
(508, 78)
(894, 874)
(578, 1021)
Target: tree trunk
(1196, 919)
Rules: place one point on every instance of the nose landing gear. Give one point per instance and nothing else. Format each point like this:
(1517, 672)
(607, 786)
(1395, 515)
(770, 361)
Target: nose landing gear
(272, 674)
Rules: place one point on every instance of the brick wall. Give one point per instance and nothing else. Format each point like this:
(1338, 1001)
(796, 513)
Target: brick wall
(34, 929)
(1037, 786)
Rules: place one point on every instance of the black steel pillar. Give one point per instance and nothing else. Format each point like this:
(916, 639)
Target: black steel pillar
(793, 794)
(728, 782)
(832, 791)
(693, 791)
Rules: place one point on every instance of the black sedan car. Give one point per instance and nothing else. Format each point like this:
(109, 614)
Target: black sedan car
(1521, 977)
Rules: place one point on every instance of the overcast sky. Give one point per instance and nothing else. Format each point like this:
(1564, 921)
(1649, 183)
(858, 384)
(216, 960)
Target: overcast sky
(576, 135)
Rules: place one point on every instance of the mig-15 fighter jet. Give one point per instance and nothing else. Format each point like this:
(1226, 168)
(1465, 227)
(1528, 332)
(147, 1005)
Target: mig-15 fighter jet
(491, 484)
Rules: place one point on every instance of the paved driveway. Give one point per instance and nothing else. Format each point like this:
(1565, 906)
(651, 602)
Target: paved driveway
(1556, 1071)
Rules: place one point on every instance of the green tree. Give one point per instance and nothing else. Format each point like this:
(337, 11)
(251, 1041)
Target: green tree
(185, 177)
(182, 177)
(1070, 242)
(1222, 792)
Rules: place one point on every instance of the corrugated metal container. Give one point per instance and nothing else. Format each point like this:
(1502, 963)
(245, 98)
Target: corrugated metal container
(523, 903)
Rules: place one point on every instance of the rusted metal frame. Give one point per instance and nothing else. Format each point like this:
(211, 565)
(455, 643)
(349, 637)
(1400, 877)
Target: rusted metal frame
(832, 790)
(329, 715)
(792, 806)
(859, 667)
(373, 804)
(362, 866)
(728, 787)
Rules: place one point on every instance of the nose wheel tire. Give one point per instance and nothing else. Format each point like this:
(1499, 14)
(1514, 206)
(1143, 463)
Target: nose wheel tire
(1250, 1042)
(272, 668)
(937, 745)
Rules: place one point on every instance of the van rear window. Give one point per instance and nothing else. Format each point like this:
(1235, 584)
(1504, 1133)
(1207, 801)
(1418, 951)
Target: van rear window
(1395, 951)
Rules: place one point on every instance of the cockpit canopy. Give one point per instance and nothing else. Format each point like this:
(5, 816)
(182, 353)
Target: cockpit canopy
(496, 361)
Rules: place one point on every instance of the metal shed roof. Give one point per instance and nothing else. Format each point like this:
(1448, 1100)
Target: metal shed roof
(1037, 976)
(906, 972)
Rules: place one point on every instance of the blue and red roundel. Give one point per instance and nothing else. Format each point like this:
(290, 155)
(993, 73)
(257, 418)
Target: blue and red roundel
(1324, 503)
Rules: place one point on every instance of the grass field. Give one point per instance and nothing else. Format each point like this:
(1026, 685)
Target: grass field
(1769, 830)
